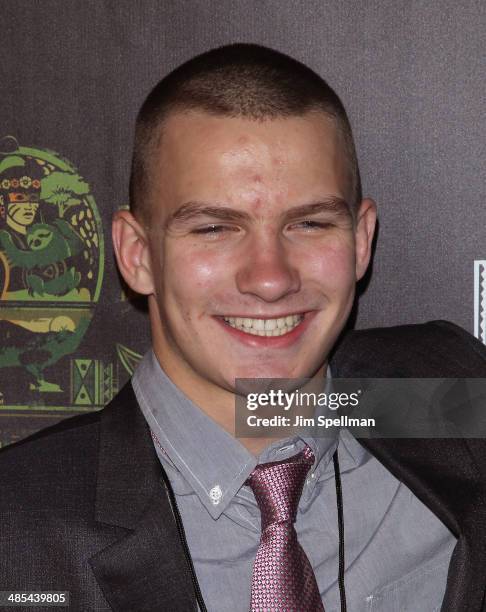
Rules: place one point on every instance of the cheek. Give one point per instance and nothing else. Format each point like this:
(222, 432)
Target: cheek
(202, 268)
(332, 266)
(193, 277)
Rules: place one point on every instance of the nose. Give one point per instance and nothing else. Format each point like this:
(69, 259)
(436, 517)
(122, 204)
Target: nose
(266, 271)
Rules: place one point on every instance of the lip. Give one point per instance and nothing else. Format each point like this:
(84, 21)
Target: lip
(271, 341)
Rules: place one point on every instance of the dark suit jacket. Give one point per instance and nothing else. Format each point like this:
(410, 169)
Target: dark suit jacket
(84, 508)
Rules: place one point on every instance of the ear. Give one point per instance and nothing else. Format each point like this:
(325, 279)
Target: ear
(364, 232)
(132, 252)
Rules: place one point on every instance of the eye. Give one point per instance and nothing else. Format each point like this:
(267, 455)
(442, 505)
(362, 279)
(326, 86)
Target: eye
(312, 225)
(213, 229)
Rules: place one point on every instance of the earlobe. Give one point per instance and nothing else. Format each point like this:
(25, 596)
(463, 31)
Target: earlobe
(365, 230)
(132, 252)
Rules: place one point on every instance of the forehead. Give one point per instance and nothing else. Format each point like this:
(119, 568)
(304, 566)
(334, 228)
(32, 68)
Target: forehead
(236, 159)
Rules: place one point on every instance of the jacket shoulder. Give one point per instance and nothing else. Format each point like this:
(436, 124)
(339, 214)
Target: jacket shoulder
(51, 465)
(437, 349)
(55, 464)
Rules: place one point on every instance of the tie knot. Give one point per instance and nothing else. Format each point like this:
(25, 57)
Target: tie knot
(278, 485)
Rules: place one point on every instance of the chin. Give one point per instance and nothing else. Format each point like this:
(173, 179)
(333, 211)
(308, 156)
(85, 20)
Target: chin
(269, 371)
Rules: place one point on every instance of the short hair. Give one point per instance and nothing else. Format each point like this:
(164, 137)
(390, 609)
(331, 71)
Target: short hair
(238, 80)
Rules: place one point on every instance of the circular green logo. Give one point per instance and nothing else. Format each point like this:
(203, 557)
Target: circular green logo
(51, 260)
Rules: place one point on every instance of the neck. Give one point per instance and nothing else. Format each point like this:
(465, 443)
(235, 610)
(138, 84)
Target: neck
(256, 445)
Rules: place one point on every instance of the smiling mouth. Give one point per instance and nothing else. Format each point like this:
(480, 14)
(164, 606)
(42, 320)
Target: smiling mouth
(265, 327)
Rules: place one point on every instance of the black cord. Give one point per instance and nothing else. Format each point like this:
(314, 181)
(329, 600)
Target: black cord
(339, 499)
(182, 536)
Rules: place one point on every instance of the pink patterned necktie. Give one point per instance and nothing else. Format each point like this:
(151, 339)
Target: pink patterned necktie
(283, 579)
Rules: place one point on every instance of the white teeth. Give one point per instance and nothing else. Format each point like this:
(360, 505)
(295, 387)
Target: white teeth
(265, 327)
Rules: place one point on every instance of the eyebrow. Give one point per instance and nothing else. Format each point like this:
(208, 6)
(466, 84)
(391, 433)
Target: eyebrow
(193, 209)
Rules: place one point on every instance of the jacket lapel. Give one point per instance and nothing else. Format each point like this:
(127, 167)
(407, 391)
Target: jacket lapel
(144, 568)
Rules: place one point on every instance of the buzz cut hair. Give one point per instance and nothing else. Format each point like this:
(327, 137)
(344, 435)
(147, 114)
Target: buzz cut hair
(240, 81)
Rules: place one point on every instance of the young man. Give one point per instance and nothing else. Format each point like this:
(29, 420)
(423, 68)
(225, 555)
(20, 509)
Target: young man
(248, 232)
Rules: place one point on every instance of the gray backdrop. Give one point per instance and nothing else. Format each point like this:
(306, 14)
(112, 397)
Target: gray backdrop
(411, 75)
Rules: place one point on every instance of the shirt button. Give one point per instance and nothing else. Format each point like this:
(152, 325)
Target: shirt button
(311, 478)
(215, 495)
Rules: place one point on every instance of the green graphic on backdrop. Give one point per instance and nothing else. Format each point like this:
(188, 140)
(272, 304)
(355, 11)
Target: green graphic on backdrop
(94, 383)
(51, 264)
(128, 357)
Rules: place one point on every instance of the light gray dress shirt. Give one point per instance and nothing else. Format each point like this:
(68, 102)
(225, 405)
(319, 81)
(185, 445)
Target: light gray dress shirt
(397, 552)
